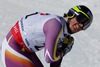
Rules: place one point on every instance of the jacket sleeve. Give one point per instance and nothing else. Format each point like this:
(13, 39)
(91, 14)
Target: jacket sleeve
(52, 29)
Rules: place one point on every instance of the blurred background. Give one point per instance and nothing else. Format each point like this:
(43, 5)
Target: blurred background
(86, 50)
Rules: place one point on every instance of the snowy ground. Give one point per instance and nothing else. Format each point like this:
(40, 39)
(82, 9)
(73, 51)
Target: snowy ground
(86, 51)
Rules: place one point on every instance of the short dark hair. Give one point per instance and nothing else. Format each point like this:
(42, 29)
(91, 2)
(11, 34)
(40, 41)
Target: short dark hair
(65, 15)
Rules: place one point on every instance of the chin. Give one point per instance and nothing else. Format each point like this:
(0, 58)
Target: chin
(74, 32)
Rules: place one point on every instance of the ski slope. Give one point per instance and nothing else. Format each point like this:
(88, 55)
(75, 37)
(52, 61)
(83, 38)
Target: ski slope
(86, 50)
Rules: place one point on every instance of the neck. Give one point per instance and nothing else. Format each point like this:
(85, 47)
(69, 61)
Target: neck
(66, 18)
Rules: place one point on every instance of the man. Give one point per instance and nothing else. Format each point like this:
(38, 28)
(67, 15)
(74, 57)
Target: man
(43, 30)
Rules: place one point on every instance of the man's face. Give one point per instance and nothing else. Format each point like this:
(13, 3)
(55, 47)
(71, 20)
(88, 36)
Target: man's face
(75, 26)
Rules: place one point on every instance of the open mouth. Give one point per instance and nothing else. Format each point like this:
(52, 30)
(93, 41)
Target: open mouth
(77, 27)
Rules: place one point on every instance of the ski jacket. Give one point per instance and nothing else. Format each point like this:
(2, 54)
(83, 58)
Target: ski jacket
(38, 30)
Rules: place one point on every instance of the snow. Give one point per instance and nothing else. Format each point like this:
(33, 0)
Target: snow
(86, 50)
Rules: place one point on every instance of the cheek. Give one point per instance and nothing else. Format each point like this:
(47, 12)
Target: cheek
(71, 27)
(72, 23)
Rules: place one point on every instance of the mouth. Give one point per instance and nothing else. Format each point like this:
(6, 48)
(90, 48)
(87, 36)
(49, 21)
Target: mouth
(76, 27)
